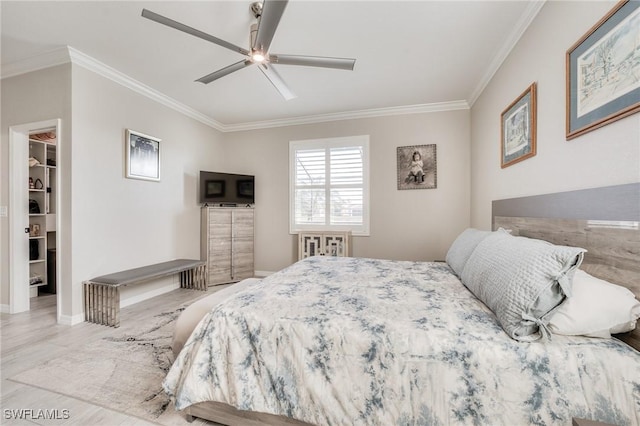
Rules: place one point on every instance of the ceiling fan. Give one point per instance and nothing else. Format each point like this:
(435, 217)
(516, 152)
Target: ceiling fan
(268, 14)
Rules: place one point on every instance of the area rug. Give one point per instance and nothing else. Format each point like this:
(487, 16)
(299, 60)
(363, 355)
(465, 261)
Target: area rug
(122, 372)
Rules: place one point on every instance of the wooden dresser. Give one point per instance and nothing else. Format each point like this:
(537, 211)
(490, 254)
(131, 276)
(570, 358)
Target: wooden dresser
(226, 243)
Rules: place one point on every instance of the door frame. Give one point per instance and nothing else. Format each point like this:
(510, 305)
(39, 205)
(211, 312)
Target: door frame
(19, 300)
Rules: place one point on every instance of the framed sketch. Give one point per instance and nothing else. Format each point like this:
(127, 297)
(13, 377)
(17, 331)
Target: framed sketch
(142, 156)
(417, 167)
(602, 71)
(518, 129)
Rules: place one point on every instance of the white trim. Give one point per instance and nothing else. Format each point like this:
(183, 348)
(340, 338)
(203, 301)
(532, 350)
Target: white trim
(61, 150)
(48, 59)
(148, 295)
(349, 115)
(87, 62)
(327, 144)
(19, 291)
(19, 294)
(71, 319)
(69, 54)
(518, 30)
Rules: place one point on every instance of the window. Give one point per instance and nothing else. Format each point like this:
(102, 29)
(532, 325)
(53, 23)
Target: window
(329, 185)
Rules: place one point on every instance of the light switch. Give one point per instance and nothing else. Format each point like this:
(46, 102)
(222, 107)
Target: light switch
(3, 211)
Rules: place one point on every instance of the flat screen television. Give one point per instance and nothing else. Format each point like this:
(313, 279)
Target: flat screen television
(226, 188)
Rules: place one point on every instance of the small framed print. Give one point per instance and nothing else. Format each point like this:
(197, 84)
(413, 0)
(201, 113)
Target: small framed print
(518, 129)
(417, 167)
(142, 156)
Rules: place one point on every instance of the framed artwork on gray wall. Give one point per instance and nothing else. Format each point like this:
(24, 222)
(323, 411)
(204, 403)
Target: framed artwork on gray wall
(142, 156)
(603, 71)
(518, 129)
(417, 167)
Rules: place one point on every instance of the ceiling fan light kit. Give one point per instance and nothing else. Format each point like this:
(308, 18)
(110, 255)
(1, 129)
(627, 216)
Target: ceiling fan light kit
(268, 14)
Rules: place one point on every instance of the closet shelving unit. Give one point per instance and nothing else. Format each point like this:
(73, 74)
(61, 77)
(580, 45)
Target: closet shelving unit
(42, 189)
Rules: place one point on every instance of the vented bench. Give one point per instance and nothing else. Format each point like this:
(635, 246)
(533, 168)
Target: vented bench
(102, 294)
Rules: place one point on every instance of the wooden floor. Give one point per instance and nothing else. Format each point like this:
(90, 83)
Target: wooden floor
(31, 338)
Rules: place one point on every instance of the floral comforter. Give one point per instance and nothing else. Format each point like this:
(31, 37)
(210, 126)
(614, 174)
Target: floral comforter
(348, 341)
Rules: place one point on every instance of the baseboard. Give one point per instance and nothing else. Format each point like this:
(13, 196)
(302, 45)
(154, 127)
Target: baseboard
(71, 319)
(148, 295)
(5, 309)
(262, 274)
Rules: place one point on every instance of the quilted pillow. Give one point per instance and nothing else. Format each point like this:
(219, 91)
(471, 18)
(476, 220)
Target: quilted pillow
(521, 280)
(597, 308)
(462, 248)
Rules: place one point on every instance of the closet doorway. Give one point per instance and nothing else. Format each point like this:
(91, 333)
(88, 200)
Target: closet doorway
(34, 214)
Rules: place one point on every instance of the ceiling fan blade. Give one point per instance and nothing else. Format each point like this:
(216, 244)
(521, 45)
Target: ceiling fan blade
(189, 30)
(272, 11)
(277, 81)
(224, 71)
(314, 61)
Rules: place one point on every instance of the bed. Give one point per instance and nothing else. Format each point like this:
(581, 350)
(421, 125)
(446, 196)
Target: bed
(370, 341)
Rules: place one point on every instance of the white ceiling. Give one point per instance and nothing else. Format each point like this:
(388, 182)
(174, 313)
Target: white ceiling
(409, 54)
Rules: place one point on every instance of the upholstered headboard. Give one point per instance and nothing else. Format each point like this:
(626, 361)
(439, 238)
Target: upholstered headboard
(605, 221)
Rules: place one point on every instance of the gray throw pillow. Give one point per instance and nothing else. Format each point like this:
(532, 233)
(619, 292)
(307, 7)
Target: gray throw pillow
(521, 280)
(462, 248)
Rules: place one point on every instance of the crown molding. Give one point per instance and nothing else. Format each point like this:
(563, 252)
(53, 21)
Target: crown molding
(48, 59)
(69, 54)
(349, 115)
(519, 28)
(86, 61)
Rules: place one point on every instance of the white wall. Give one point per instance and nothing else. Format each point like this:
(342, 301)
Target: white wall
(409, 224)
(111, 223)
(607, 156)
(36, 96)
(114, 223)
(121, 223)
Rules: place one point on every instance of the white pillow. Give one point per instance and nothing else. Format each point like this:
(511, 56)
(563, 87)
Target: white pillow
(596, 308)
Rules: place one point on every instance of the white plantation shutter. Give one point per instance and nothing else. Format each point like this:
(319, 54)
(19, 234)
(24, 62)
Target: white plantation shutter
(310, 187)
(329, 184)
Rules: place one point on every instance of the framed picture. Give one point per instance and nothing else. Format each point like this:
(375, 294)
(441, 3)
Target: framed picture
(417, 167)
(142, 156)
(34, 230)
(602, 71)
(518, 129)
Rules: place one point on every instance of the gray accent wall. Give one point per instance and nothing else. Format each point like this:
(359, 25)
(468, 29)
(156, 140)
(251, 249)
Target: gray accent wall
(618, 203)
